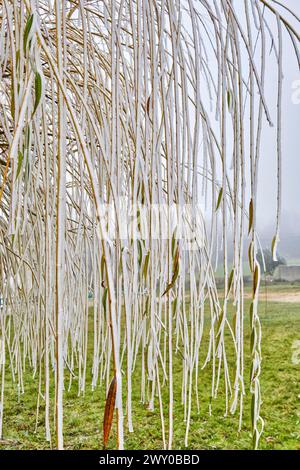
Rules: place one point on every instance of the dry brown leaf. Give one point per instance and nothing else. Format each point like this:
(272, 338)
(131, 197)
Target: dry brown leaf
(109, 410)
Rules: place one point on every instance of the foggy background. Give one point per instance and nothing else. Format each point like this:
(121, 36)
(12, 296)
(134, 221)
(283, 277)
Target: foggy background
(289, 246)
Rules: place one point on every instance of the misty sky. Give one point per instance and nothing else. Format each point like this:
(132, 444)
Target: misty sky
(267, 174)
(291, 150)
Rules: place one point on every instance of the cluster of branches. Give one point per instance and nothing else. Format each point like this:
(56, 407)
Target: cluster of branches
(132, 100)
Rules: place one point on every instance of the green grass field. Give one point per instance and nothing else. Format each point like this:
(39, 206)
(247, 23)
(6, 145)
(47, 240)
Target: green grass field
(280, 382)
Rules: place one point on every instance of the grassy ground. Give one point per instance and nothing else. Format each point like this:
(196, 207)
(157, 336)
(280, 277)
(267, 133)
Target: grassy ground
(83, 415)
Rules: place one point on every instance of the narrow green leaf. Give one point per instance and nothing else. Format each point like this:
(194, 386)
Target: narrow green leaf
(229, 100)
(140, 252)
(174, 306)
(18, 58)
(173, 242)
(230, 279)
(234, 318)
(255, 279)
(250, 215)
(219, 328)
(27, 29)
(104, 298)
(148, 106)
(102, 267)
(147, 306)
(27, 136)
(220, 321)
(20, 161)
(38, 91)
(274, 248)
(146, 263)
(219, 199)
(252, 341)
(250, 256)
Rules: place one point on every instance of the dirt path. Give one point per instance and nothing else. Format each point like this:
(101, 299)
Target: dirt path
(279, 296)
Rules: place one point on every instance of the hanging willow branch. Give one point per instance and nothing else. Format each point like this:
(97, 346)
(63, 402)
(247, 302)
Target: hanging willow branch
(128, 133)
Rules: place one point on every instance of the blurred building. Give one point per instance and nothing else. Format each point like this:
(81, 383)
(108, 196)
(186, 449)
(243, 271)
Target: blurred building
(287, 273)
